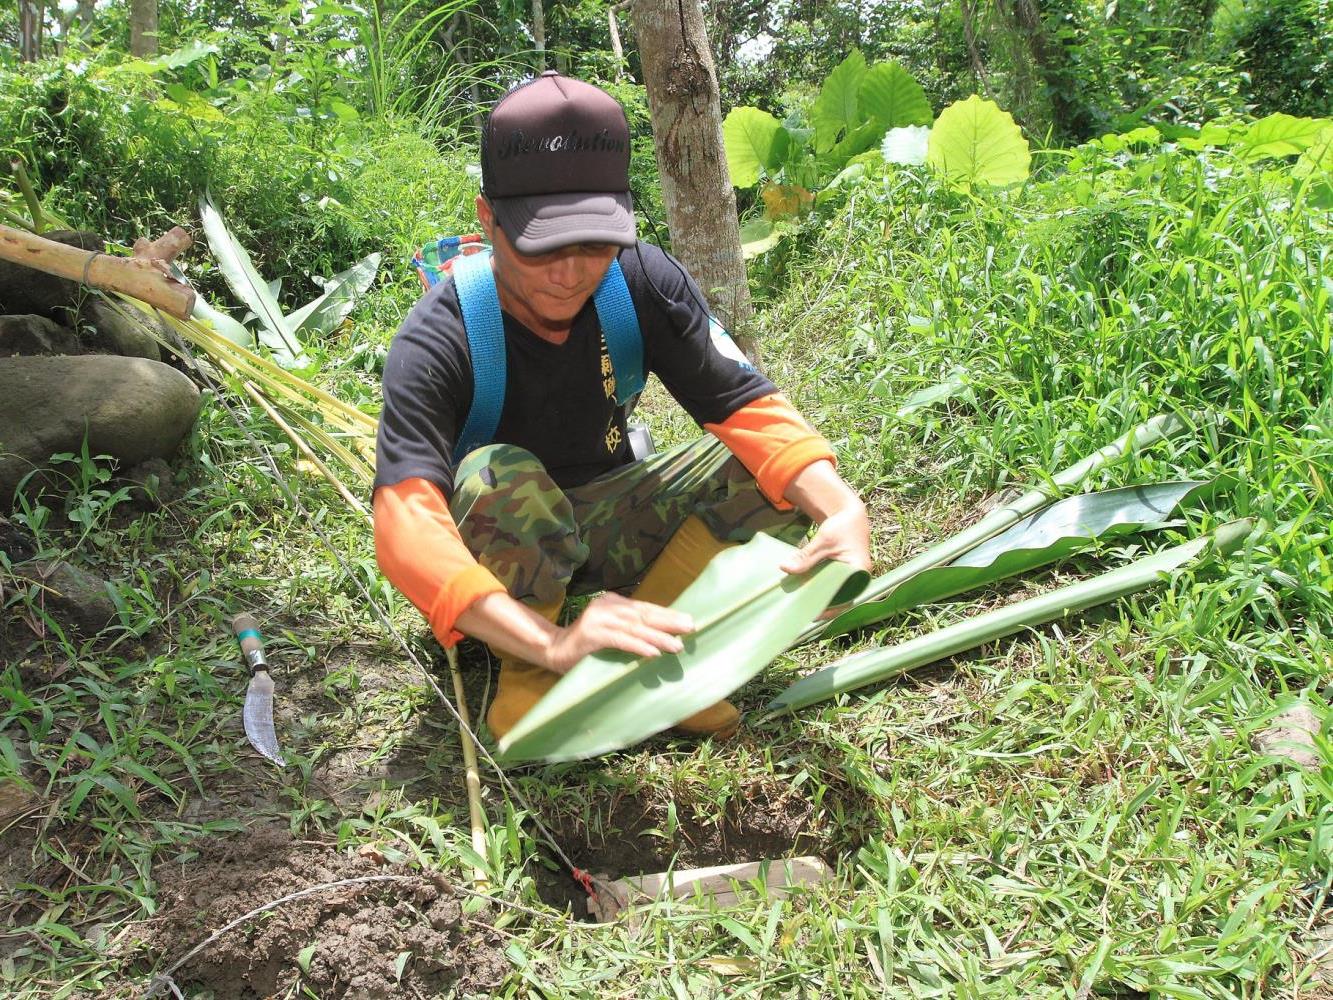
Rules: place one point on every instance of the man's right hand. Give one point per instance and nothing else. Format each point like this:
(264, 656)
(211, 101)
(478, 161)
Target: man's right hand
(614, 622)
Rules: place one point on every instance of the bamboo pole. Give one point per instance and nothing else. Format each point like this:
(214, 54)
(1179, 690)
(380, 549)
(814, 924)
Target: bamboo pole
(472, 776)
(136, 276)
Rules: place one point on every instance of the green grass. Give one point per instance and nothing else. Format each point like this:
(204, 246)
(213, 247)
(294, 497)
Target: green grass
(1076, 812)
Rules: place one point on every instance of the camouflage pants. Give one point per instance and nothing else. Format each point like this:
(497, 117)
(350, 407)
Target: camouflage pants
(544, 543)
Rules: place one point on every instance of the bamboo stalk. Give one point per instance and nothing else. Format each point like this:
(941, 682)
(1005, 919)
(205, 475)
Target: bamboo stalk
(134, 276)
(20, 170)
(472, 777)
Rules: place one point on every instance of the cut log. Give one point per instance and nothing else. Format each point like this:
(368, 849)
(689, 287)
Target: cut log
(142, 278)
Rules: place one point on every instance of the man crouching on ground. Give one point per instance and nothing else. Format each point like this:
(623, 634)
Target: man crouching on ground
(489, 543)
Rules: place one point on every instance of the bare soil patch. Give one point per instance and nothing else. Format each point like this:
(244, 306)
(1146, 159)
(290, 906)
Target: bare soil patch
(633, 837)
(359, 932)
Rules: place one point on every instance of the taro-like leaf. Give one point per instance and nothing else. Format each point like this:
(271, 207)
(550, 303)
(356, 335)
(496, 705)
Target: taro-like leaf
(750, 137)
(1048, 536)
(891, 96)
(836, 109)
(906, 146)
(974, 142)
(746, 610)
(880, 664)
(1278, 135)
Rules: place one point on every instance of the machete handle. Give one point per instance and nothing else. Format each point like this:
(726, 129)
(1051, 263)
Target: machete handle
(246, 629)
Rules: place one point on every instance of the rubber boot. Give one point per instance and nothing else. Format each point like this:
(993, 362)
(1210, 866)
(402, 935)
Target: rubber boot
(690, 549)
(521, 684)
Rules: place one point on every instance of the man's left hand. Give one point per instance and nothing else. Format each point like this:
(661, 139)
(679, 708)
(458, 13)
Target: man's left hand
(844, 535)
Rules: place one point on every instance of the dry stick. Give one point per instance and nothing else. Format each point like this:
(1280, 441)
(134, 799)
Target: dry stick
(303, 448)
(164, 978)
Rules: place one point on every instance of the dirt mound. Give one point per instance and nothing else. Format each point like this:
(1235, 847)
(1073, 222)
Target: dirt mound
(360, 933)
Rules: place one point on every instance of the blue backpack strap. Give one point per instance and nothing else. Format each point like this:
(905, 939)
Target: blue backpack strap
(620, 327)
(480, 304)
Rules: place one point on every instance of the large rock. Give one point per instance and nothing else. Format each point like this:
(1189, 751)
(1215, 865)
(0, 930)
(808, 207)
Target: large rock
(73, 597)
(26, 290)
(130, 408)
(119, 329)
(30, 334)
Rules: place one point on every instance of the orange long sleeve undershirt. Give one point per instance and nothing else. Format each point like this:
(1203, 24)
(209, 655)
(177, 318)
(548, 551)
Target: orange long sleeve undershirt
(421, 552)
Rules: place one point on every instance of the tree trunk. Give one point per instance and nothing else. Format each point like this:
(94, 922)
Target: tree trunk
(30, 30)
(687, 128)
(143, 28)
(85, 14)
(539, 34)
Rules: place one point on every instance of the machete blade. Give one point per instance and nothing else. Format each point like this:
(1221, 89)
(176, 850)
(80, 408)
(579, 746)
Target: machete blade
(258, 717)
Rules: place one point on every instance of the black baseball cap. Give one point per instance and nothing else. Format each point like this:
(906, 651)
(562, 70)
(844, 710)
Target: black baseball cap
(555, 165)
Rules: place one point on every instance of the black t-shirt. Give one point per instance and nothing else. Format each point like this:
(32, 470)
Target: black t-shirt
(559, 402)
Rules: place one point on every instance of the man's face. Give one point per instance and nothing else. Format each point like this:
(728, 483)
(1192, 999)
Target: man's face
(544, 291)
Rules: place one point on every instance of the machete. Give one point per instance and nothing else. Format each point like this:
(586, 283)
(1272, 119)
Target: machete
(258, 711)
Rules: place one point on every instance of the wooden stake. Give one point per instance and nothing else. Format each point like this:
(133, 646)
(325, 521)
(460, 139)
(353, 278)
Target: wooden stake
(471, 776)
(141, 278)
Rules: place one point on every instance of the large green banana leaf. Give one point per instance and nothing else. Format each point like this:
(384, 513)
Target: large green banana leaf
(1048, 536)
(746, 611)
(240, 274)
(1164, 425)
(882, 663)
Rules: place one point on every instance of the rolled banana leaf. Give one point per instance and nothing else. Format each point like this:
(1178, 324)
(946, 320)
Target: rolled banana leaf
(1048, 536)
(880, 664)
(746, 611)
(1164, 425)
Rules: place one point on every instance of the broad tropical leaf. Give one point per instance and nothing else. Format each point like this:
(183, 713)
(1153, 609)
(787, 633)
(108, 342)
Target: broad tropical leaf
(228, 327)
(750, 137)
(325, 313)
(746, 610)
(906, 145)
(836, 108)
(856, 141)
(1048, 536)
(758, 236)
(1162, 426)
(891, 96)
(1278, 135)
(249, 287)
(880, 664)
(974, 142)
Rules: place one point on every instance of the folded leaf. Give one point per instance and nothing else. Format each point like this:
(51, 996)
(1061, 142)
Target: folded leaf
(882, 663)
(746, 611)
(1163, 425)
(1048, 536)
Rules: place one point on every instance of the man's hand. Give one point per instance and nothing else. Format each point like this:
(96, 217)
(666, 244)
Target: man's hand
(844, 536)
(844, 529)
(614, 622)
